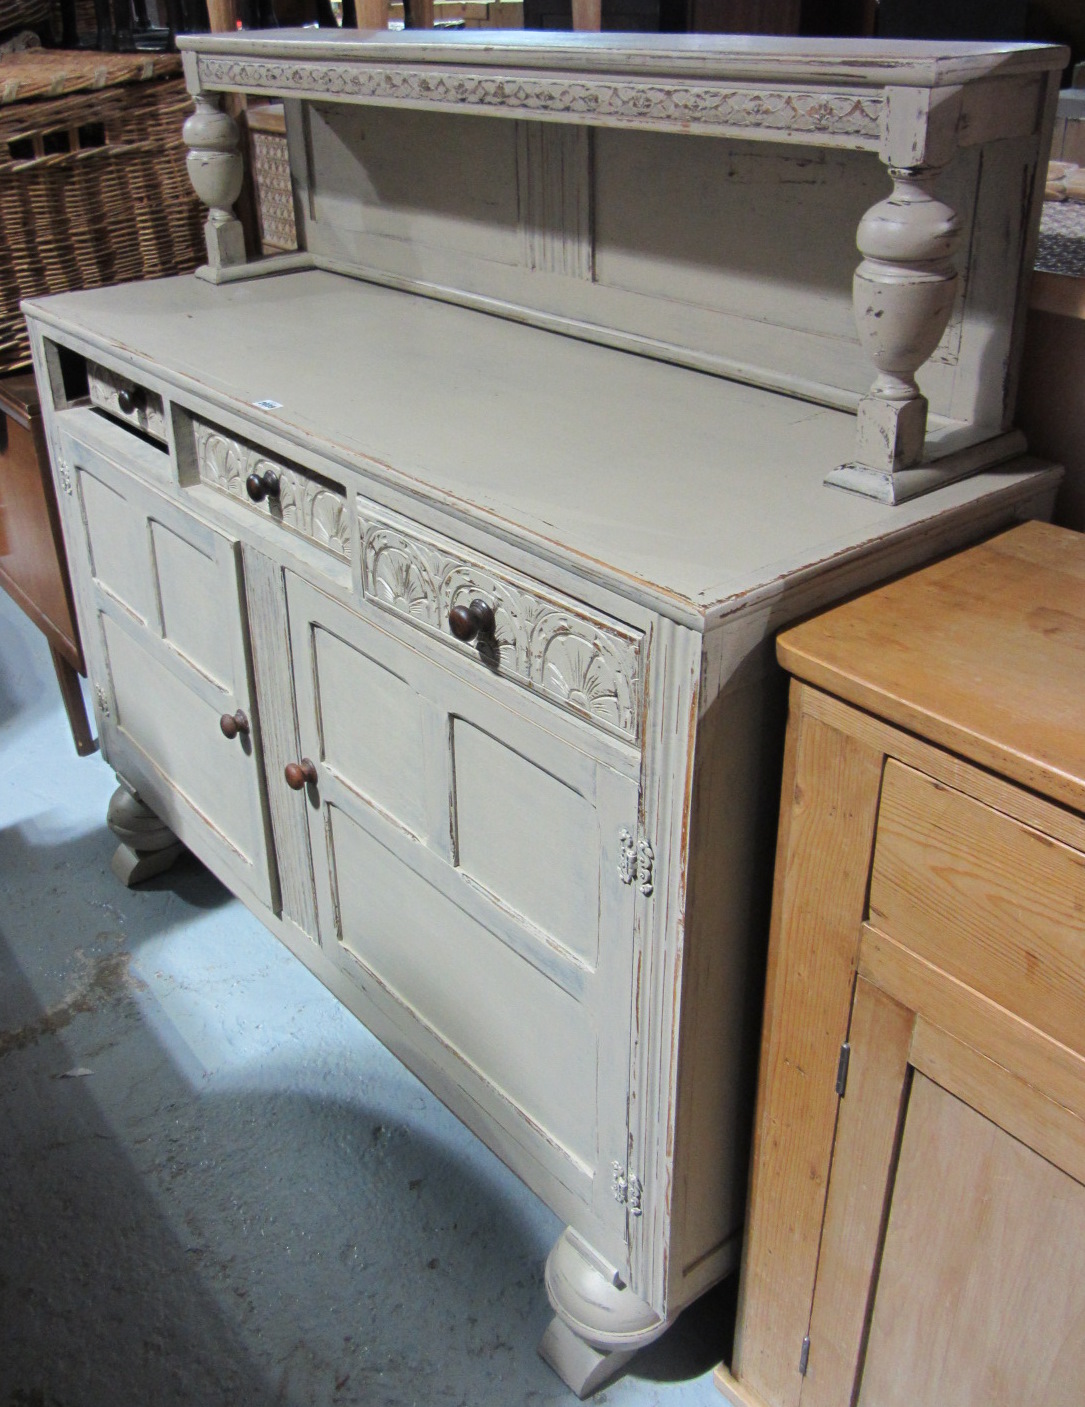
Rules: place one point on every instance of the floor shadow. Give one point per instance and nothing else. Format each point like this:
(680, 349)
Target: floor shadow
(25, 666)
(702, 1336)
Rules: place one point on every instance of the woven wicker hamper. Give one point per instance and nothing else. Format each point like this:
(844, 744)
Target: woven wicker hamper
(93, 187)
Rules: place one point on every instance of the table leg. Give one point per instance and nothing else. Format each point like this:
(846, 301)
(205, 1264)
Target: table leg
(75, 705)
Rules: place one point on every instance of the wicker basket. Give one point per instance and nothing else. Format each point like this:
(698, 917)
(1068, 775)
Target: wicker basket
(23, 14)
(93, 187)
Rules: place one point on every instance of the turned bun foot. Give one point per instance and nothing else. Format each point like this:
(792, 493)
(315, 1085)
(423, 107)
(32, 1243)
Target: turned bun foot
(599, 1323)
(147, 846)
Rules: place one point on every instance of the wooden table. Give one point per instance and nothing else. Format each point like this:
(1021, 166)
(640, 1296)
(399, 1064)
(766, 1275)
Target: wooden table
(33, 567)
(918, 1238)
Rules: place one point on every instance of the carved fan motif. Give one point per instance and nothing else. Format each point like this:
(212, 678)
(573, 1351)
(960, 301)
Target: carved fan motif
(583, 673)
(397, 578)
(307, 505)
(221, 461)
(331, 522)
(460, 585)
(580, 665)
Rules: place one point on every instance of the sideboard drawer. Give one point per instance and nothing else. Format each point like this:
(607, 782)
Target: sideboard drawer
(124, 400)
(580, 659)
(984, 898)
(300, 500)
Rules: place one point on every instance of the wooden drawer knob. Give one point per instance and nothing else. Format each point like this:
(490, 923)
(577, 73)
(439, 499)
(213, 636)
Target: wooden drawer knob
(233, 723)
(261, 486)
(465, 622)
(128, 400)
(299, 773)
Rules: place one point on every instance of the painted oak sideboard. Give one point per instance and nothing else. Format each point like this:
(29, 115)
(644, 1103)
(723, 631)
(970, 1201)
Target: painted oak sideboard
(428, 577)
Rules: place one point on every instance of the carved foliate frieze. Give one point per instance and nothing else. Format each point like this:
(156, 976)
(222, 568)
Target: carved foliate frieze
(783, 112)
(309, 505)
(591, 667)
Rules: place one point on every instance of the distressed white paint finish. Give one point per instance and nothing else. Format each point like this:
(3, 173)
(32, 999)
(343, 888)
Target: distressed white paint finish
(269, 641)
(305, 503)
(114, 394)
(541, 876)
(554, 180)
(216, 170)
(405, 180)
(441, 813)
(587, 664)
(167, 631)
(673, 491)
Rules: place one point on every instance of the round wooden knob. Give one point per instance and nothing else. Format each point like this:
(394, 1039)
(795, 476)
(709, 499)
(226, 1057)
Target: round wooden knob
(299, 773)
(261, 486)
(465, 622)
(127, 400)
(233, 723)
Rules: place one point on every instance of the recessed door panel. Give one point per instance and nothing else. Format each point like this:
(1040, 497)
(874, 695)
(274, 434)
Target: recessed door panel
(117, 541)
(514, 1026)
(371, 727)
(180, 735)
(190, 593)
(529, 835)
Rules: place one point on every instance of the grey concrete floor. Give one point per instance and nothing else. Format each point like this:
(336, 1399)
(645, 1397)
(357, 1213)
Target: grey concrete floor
(215, 1186)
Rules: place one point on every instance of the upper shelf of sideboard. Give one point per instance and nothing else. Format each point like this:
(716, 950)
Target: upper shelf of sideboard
(812, 92)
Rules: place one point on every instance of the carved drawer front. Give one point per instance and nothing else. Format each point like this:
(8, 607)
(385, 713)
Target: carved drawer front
(127, 402)
(580, 660)
(304, 502)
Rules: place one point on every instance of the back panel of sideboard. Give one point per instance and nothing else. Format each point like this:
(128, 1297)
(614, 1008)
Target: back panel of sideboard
(577, 224)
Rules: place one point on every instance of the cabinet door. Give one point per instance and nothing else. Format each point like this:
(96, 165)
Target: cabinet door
(955, 1210)
(468, 872)
(980, 1298)
(166, 650)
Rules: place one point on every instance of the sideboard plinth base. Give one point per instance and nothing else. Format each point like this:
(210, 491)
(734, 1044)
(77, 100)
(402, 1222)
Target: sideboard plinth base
(582, 1368)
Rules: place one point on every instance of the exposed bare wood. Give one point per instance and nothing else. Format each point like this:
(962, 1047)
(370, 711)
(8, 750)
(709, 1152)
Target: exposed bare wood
(476, 706)
(1013, 1101)
(980, 1296)
(588, 14)
(972, 976)
(955, 1006)
(968, 680)
(987, 899)
(827, 828)
(863, 1161)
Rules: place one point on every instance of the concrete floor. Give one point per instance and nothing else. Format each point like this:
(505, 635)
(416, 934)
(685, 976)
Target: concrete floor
(215, 1186)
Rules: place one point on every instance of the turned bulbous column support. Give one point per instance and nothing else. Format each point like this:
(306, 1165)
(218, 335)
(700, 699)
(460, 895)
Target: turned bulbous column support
(147, 845)
(216, 170)
(903, 294)
(598, 1324)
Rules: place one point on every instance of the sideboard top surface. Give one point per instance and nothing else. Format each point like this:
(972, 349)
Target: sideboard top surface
(681, 488)
(731, 57)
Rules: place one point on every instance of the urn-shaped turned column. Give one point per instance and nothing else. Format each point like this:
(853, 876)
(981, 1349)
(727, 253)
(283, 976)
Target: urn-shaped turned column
(216, 170)
(903, 294)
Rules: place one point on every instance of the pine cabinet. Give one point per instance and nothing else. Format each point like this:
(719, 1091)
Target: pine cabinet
(917, 1211)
